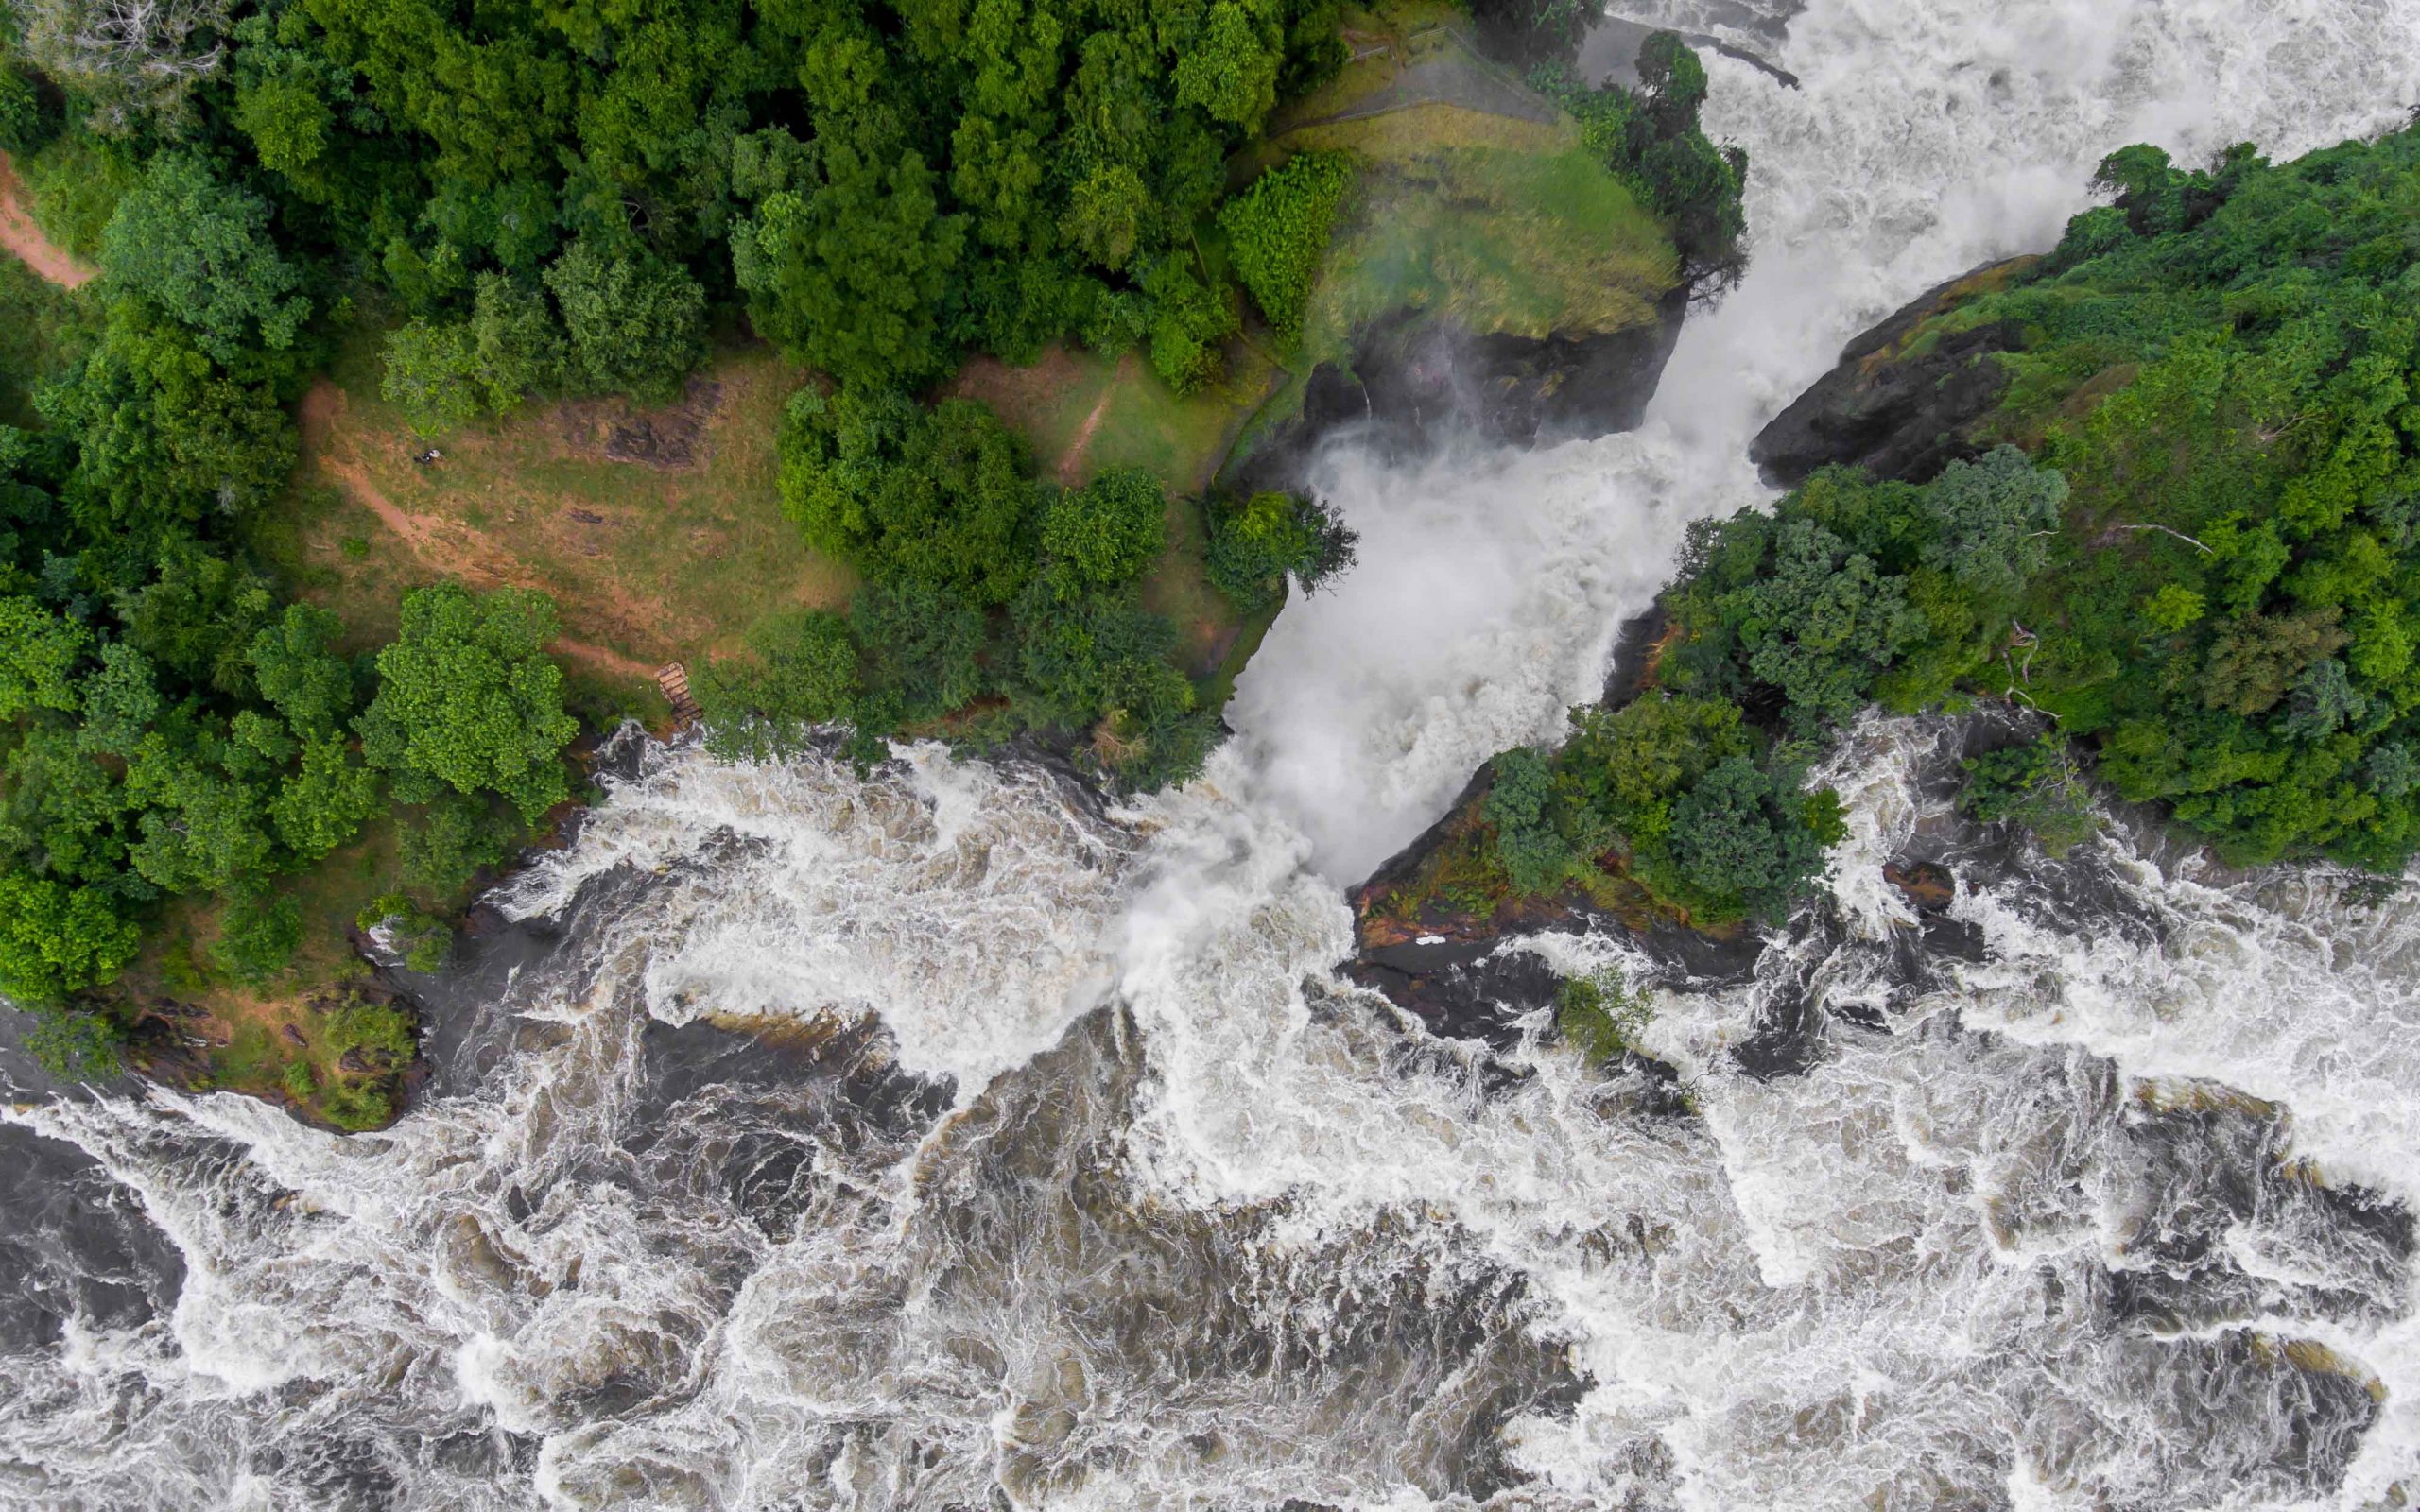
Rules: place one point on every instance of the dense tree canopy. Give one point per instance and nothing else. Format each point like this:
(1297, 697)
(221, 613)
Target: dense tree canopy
(985, 586)
(1787, 624)
(562, 199)
(887, 185)
(2222, 364)
(468, 697)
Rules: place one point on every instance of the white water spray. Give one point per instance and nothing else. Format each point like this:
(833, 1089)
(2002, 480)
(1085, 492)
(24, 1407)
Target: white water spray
(1086, 1184)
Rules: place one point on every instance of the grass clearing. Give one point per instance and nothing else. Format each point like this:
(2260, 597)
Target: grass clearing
(658, 531)
(1084, 413)
(1496, 240)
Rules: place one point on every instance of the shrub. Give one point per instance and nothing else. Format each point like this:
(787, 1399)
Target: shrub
(2035, 785)
(456, 838)
(385, 1035)
(427, 377)
(943, 497)
(258, 935)
(74, 1045)
(1277, 231)
(1107, 532)
(357, 1106)
(1190, 324)
(56, 941)
(804, 672)
(1073, 653)
(635, 325)
(76, 183)
(1536, 857)
(26, 124)
(1601, 1015)
(422, 940)
(1256, 544)
(920, 647)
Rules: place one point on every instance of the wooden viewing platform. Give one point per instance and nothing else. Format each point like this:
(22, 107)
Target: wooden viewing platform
(673, 679)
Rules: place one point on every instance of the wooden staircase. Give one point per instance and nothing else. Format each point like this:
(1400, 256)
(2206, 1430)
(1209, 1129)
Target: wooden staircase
(673, 679)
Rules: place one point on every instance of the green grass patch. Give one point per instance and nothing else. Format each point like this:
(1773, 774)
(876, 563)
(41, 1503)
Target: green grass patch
(658, 531)
(1497, 241)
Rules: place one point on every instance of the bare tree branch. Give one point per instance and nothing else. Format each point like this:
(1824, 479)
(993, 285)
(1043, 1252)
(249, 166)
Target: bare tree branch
(130, 58)
(2165, 531)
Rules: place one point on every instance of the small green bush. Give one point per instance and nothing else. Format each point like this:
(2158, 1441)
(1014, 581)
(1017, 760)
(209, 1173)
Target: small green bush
(26, 124)
(2035, 785)
(1278, 229)
(1108, 531)
(804, 674)
(258, 936)
(74, 1045)
(1190, 324)
(921, 646)
(1257, 544)
(421, 938)
(381, 1031)
(457, 835)
(358, 1106)
(1601, 1014)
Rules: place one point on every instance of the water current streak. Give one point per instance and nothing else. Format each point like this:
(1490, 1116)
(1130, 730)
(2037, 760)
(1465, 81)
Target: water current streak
(1063, 1170)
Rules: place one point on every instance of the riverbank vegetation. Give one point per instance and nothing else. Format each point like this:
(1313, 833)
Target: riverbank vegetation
(2190, 540)
(315, 559)
(2221, 363)
(1785, 624)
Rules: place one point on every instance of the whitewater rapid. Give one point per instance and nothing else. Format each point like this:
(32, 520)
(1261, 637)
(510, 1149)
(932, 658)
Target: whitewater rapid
(1064, 1170)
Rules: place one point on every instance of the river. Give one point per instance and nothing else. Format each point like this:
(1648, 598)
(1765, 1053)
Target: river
(1062, 1170)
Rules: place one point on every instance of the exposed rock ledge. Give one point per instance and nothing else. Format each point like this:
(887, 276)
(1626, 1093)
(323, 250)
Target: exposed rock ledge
(1896, 411)
(1413, 380)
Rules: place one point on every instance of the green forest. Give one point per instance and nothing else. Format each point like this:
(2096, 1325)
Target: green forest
(2190, 540)
(522, 203)
(555, 202)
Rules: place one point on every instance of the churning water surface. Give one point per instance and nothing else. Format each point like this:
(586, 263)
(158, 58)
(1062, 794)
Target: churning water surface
(1067, 1172)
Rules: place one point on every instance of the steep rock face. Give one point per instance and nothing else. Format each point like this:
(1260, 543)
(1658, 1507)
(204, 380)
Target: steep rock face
(1894, 405)
(1411, 379)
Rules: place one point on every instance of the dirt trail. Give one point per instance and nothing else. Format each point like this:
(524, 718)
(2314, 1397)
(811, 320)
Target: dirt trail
(19, 233)
(447, 546)
(1072, 463)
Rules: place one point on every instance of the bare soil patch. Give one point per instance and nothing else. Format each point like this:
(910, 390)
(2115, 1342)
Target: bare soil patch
(23, 237)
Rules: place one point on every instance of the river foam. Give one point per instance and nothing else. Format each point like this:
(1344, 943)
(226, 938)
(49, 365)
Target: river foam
(1077, 1178)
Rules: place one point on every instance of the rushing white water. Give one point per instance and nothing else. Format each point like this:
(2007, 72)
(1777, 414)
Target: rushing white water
(1084, 1182)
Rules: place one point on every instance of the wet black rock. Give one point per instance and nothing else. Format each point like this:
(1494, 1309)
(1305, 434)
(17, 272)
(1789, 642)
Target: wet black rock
(1898, 413)
(1414, 379)
(1462, 989)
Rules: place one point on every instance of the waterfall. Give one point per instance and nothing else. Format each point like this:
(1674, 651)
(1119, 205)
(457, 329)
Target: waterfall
(942, 1139)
